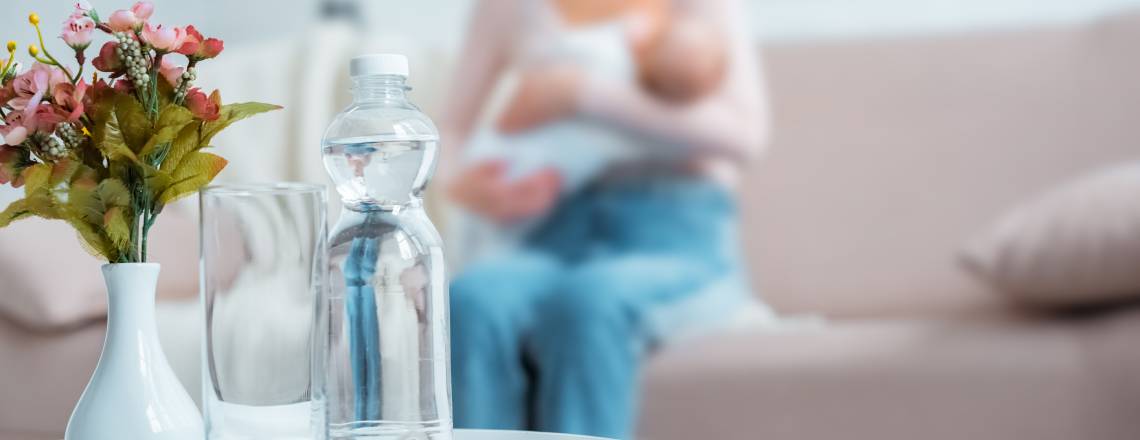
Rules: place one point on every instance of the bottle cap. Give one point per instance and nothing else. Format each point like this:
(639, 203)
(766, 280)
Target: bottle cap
(379, 64)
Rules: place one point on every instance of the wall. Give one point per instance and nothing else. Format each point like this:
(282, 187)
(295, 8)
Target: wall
(440, 22)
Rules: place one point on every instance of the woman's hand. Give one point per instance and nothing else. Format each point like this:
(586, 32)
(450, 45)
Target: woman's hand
(543, 95)
(483, 189)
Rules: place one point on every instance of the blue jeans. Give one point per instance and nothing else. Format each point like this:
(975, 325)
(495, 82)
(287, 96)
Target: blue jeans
(550, 337)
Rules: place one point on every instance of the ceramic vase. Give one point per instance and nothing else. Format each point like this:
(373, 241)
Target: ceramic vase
(133, 393)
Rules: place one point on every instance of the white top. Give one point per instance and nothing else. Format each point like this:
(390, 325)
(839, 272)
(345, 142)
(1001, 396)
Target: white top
(724, 127)
(603, 47)
(578, 148)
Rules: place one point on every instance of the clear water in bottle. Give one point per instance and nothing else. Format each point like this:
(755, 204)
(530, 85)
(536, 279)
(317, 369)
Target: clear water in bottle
(381, 360)
(378, 170)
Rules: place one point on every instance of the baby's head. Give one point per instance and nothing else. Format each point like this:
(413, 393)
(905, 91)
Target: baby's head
(686, 61)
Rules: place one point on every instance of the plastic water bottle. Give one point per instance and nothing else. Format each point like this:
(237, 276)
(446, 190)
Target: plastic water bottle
(381, 358)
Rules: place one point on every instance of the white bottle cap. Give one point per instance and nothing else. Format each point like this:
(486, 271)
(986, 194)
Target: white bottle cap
(379, 64)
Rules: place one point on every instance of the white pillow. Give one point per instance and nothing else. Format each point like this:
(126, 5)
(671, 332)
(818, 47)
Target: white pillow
(1076, 245)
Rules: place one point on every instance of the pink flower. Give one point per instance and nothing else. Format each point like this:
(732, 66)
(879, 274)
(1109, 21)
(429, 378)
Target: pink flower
(68, 99)
(198, 47)
(42, 118)
(192, 42)
(130, 19)
(143, 10)
(163, 39)
(171, 71)
(108, 60)
(209, 48)
(13, 134)
(123, 21)
(30, 87)
(82, 8)
(31, 112)
(123, 86)
(77, 31)
(96, 93)
(204, 108)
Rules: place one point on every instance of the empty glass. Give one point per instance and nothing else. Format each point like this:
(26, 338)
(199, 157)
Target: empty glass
(262, 264)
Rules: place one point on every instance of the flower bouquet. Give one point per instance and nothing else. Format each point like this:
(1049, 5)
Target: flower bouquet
(106, 153)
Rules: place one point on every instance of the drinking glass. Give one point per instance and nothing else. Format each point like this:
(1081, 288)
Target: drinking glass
(262, 267)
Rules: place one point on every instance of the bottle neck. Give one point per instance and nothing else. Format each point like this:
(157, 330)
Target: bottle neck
(379, 88)
(413, 203)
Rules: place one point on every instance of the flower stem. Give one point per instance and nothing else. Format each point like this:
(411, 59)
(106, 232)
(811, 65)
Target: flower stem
(11, 58)
(152, 106)
(80, 58)
(140, 202)
(40, 35)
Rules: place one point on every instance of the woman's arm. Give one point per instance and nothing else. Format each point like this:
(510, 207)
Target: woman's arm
(482, 188)
(733, 121)
(482, 59)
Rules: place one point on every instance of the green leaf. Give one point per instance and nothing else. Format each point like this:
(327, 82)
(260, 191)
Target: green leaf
(93, 241)
(112, 192)
(232, 113)
(161, 140)
(157, 181)
(90, 156)
(195, 171)
(165, 94)
(171, 120)
(85, 176)
(174, 116)
(83, 205)
(91, 204)
(38, 195)
(184, 143)
(117, 228)
(100, 215)
(15, 211)
(113, 144)
(101, 114)
(133, 124)
(62, 172)
(37, 179)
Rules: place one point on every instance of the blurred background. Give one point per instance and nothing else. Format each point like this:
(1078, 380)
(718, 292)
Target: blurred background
(942, 228)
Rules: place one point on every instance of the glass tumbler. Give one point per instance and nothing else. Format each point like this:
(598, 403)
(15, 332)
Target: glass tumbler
(262, 266)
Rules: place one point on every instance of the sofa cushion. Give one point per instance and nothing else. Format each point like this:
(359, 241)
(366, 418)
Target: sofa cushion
(1008, 378)
(1075, 245)
(50, 282)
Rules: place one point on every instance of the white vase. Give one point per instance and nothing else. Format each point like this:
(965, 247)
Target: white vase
(133, 394)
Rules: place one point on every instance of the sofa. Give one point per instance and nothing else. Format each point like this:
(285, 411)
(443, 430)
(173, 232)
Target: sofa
(887, 156)
(888, 153)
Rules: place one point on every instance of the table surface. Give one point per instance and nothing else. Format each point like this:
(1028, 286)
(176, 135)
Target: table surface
(481, 434)
(486, 434)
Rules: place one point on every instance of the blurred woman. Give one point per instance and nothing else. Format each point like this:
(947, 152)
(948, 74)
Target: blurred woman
(550, 336)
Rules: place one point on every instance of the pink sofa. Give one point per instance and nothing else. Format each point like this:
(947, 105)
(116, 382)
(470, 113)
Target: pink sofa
(888, 154)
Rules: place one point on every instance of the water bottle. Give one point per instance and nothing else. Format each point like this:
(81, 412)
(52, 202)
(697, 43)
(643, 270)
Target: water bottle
(381, 358)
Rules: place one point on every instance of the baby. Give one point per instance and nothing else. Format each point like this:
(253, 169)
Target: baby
(685, 63)
(681, 64)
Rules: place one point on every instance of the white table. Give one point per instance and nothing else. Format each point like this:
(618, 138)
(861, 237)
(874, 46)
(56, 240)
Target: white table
(483, 434)
(487, 434)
